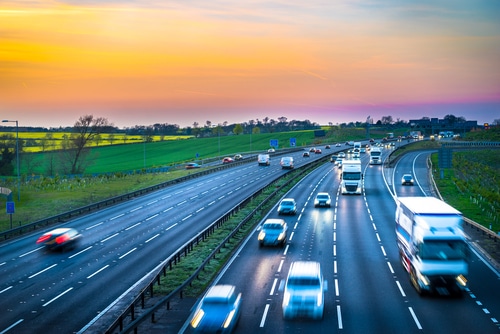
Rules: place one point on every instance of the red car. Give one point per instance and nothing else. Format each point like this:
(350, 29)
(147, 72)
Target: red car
(227, 160)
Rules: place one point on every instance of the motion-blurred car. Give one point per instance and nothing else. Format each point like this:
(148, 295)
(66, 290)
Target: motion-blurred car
(323, 199)
(271, 150)
(341, 154)
(312, 149)
(227, 160)
(407, 179)
(62, 238)
(333, 158)
(338, 145)
(238, 157)
(306, 155)
(192, 165)
(303, 291)
(273, 232)
(339, 161)
(218, 311)
(318, 151)
(327, 147)
(287, 206)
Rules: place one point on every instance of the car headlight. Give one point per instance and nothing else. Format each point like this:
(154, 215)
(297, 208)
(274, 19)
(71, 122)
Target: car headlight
(423, 278)
(262, 235)
(281, 236)
(286, 298)
(319, 299)
(197, 318)
(461, 280)
(229, 318)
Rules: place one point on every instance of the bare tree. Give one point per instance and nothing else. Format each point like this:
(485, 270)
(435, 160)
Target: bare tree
(86, 129)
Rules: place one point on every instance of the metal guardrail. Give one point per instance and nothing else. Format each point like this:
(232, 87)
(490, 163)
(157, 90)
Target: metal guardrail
(117, 325)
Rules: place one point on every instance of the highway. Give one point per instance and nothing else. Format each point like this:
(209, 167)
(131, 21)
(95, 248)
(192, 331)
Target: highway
(56, 292)
(368, 289)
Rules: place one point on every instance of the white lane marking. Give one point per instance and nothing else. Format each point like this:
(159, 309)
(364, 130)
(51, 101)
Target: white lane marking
(273, 287)
(339, 317)
(168, 228)
(185, 218)
(97, 272)
(41, 271)
(168, 209)
(91, 227)
(401, 289)
(281, 265)
(11, 326)
(334, 236)
(152, 202)
(415, 318)
(286, 250)
(485, 310)
(180, 203)
(213, 202)
(264, 316)
(138, 208)
(127, 253)
(131, 227)
(153, 237)
(8, 288)
(200, 209)
(378, 237)
(114, 235)
(115, 217)
(383, 250)
(58, 296)
(1, 264)
(153, 216)
(334, 250)
(291, 236)
(335, 267)
(34, 250)
(390, 267)
(337, 292)
(80, 252)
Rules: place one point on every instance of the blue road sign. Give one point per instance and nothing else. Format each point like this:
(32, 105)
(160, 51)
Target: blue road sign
(273, 143)
(11, 208)
(293, 142)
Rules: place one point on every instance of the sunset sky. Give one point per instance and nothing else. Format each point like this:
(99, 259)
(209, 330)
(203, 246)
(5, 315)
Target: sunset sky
(179, 62)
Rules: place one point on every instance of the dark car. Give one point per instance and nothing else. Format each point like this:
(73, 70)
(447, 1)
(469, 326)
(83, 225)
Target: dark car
(287, 206)
(407, 179)
(306, 155)
(192, 165)
(218, 311)
(273, 232)
(62, 238)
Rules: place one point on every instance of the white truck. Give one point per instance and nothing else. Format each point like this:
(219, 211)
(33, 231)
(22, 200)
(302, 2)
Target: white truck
(263, 159)
(286, 163)
(375, 155)
(351, 177)
(432, 245)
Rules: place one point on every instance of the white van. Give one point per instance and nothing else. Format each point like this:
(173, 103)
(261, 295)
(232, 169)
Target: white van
(263, 160)
(286, 162)
(304, 291)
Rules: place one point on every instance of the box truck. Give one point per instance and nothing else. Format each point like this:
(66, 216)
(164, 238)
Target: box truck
(432, 245)
(351, 177)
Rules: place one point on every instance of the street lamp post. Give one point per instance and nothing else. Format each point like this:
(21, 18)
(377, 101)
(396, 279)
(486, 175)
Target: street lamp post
(17, 158)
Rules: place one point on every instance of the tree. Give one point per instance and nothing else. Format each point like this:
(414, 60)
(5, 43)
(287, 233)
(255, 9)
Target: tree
(238, 129)
(86, 129)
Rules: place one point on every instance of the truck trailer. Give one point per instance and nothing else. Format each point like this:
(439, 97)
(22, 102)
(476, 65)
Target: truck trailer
(432, 245)
(351, 177)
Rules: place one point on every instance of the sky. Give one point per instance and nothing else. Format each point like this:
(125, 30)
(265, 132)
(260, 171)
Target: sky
(180, 62)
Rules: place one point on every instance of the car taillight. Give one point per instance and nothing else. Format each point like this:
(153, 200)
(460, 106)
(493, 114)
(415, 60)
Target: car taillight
(43, 238)
(62, 239)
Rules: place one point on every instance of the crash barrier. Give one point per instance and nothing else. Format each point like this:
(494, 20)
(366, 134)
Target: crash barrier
(125, 320)
(470, 144)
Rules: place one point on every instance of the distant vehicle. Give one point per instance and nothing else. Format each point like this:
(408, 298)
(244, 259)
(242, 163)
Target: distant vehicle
(323, 199)
(218, 311)
(341, 155)
(407, 179)
(227, 160)
(238, 157)
(306, 155)
(312, 149)
(273, 232)
(286, 163)
(287, 206)
(192, 165)
(362, 150)
(375, 156)
(303, 291)
(327, 147)
(339, 162)
(271, 150)
(62, 238)
(337, 145)
(318, 151)
(333, 158)
(263, 160)
(432, 245)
